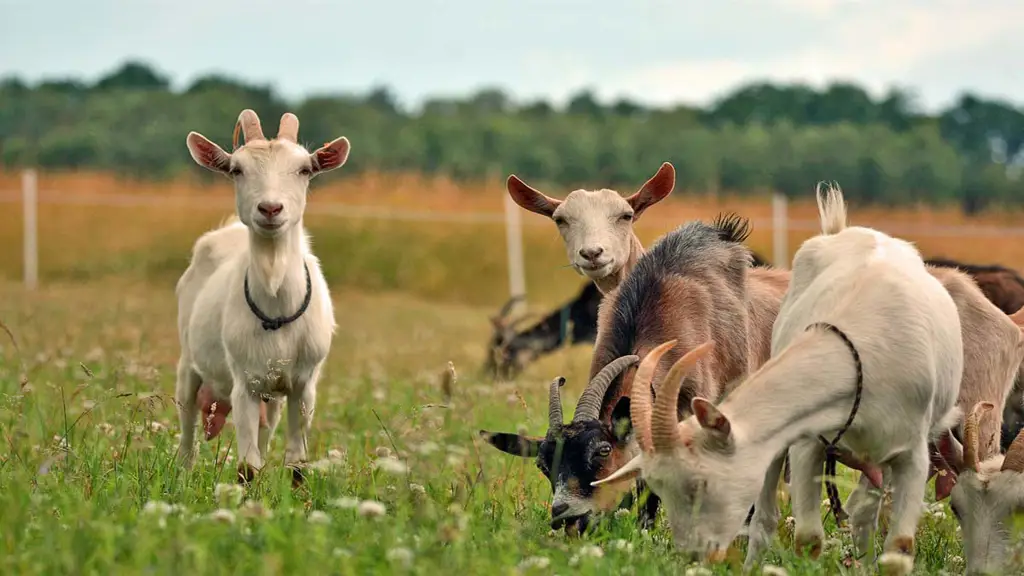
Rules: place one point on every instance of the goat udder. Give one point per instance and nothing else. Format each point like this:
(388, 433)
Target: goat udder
(214, 412)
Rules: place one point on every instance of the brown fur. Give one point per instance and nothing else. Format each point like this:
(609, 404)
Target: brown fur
(991, 353)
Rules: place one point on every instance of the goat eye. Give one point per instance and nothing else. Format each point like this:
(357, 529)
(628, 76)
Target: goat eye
(560, 221)
(236, 171)
(604, 451)
(626, 217)
(305, 171)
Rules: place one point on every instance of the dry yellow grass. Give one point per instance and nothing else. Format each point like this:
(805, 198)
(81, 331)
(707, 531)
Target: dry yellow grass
(443, 262)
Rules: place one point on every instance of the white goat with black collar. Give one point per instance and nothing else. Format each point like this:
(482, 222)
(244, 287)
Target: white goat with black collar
(255, 319)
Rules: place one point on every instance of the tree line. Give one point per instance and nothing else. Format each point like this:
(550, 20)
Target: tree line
(759, 137)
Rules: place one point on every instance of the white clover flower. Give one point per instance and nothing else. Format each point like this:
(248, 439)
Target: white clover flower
(591, 551)
(539, 562)
(344, 502)
(427, 448)
(417, 489)
(390, 465)
(335, 454)
(228, 495)
(400, 555)
(223, 515)
(622, 545)
(253, 509)
(697, 571)
(157, 507)
(318, 517)
(769, 570)
(371, 509)
(621, 513)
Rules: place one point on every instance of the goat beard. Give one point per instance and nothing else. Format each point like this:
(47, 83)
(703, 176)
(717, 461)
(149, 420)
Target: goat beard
(214, 412)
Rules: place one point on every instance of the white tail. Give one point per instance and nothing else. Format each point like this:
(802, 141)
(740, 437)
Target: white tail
(831, 207)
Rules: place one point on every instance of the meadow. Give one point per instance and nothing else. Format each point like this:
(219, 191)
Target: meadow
(400, 482)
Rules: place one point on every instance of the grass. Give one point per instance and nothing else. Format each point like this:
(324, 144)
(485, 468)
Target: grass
(88, 483)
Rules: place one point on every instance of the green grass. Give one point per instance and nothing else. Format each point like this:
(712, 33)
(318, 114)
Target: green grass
(89, 437)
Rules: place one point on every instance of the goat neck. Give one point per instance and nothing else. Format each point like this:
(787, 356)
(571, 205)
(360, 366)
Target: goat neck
(277, 279)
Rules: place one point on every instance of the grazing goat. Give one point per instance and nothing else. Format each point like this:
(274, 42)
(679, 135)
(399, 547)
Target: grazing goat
(510, 350)
(866, 350)
(255, 319)
(695, 283)
(987, 495)
(1004, 288)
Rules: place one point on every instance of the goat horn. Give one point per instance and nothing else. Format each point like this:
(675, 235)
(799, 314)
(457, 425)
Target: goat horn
(1014, 459)
(555, 404)
(589, 405)
(665, 420)
(289, 127)
(971, 434)
(249, 123)
(640, 395)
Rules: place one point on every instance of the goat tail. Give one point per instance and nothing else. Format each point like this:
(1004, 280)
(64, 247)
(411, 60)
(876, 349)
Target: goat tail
(831, 207)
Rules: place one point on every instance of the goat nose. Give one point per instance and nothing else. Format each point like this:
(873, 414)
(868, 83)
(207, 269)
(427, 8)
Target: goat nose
(559, 509)
(591, 253)
(269, 209)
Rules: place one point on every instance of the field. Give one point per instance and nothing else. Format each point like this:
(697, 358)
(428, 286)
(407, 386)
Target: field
(88, 484)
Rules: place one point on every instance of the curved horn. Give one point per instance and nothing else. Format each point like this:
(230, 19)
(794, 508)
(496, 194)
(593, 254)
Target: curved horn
(640, 396)
(1014, 459)
(555, 405)
(971, 434)
(288, 129)
(665, 420)
(249, 123)
(589, 405)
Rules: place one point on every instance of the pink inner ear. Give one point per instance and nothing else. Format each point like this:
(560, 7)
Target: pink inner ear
(331, 155)
(208, 154)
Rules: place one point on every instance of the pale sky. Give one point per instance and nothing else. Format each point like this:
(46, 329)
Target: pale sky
(653, 51)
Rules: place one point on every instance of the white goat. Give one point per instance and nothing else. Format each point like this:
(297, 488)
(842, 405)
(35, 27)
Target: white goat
(905, 330)
(986, 496)
(255, 318)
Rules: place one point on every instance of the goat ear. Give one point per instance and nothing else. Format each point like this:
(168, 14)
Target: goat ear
(710, 418)
(654, 190)
(530, 199)
(332, 155)
(207, 154)
(514, 444)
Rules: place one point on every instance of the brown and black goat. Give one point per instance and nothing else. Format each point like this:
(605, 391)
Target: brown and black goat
(695, 284)
(510, 349)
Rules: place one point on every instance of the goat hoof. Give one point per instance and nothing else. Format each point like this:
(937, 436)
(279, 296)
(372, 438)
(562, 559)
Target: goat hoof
(246, 473)
(895, 564)
(903, 545)
(811, 544)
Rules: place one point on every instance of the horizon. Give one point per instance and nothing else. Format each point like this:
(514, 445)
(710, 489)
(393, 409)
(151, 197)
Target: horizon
(660, 55)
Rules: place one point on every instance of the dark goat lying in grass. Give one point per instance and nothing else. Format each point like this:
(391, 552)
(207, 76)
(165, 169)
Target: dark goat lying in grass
(1004, 288)
(510, 350)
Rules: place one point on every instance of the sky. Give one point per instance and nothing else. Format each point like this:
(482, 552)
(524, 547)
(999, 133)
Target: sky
(653, 51)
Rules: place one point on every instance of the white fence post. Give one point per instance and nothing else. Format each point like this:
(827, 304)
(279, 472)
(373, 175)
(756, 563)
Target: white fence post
(31, 252)
(780, 231)
(514, 242)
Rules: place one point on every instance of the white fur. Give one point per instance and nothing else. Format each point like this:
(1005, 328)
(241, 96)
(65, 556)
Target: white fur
(906, 329)
(223, 344)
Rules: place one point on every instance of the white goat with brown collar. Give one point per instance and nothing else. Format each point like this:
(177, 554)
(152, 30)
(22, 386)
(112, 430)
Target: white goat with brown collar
(255, 318)
(904, 325)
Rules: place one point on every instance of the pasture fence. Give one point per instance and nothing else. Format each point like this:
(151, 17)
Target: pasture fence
(780, 223)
